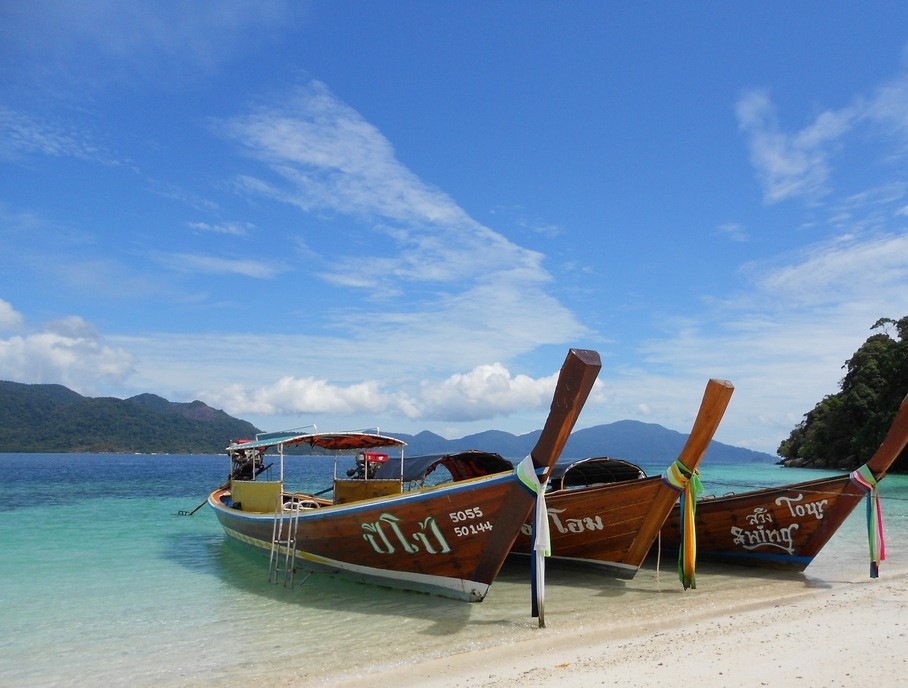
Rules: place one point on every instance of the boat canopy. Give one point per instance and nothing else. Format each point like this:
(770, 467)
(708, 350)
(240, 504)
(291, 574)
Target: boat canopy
(461, 465)
(330, 441)
(568, 475)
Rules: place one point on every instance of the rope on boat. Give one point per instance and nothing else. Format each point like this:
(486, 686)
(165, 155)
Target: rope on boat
(687, 482)
(542, 542)
(863, 477)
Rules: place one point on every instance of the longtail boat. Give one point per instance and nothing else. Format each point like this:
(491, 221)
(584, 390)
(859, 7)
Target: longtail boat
(606, 514)
(785, 527)
(602, 512)
(449, 540)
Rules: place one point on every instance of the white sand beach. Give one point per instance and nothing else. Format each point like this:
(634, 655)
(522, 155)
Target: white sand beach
(775, 632)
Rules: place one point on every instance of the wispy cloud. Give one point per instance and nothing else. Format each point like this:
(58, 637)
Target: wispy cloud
(784, 337)
(74, 260)
(734, 231)
(120, 38)
(21, 134)
(323, 156)
(232, 228)
(193, 200)
(519, 218)
(789, 165)
(798, 164)
(888, 107)
(217, 265)
(330, 158)
(842, 272)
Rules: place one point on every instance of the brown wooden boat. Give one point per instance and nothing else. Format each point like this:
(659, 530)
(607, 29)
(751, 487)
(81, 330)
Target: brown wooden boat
(603, 512)
(606, 514)
(786, 527)
(449, 540)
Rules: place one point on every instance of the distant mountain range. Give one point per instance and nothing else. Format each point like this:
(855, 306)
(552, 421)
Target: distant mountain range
(624, 439)
(53, 418)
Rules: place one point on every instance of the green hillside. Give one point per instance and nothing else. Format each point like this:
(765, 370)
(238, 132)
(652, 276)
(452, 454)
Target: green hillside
(52, 418)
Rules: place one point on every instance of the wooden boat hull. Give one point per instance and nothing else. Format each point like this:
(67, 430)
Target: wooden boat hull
(449, 541)
(786, 527)
(779, 528)
(608, 527)
(612, 525)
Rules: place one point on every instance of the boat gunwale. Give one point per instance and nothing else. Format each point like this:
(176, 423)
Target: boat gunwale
(214, 499)
(843, 478)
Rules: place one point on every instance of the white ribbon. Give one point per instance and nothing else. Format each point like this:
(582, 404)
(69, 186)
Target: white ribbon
(542, 541)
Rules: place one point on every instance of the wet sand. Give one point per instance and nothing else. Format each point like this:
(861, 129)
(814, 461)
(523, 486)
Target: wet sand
(754, 630)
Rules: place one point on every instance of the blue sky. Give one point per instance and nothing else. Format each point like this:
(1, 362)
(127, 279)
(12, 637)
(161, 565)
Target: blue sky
(403, 214)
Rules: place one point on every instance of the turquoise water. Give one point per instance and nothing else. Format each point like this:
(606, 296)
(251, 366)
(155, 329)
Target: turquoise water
(103, 584)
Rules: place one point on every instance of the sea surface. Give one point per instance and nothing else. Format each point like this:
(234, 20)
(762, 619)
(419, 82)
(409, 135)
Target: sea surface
(103, 583)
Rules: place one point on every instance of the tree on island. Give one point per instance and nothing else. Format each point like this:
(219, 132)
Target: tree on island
(846, 428)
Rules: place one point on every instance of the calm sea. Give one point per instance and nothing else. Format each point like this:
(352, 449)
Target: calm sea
(103, 584)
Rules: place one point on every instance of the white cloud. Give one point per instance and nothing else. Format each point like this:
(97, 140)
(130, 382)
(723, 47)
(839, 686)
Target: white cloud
(485, 392)
(482, 394)
(290, 396)
(68, 352)
(10, 318)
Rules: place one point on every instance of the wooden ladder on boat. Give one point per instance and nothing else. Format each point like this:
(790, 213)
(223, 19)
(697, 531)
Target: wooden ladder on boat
(283, 543)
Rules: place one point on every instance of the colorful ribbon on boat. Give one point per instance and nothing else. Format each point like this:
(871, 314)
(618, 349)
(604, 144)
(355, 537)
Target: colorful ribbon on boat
(542, 543)
(687, 482)
(863, 477)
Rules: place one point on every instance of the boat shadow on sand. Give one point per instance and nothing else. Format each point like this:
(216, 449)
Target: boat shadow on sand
(716, 574)
(660, 578)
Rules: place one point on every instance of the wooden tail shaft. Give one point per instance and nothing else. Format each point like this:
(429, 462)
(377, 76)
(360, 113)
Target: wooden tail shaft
(712, 409)
(578, 374)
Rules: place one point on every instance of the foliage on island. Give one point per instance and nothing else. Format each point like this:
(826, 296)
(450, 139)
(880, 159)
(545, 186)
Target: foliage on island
(845, 429)
(52, 418)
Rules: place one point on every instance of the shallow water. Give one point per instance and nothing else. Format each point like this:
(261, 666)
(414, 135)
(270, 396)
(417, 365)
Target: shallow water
(104, 584)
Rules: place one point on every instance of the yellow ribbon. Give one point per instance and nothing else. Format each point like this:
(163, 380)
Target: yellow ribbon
(687, 482)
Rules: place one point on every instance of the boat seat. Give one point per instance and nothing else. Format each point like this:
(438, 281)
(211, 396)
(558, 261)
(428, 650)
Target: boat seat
(256, 495)
(358, 489)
